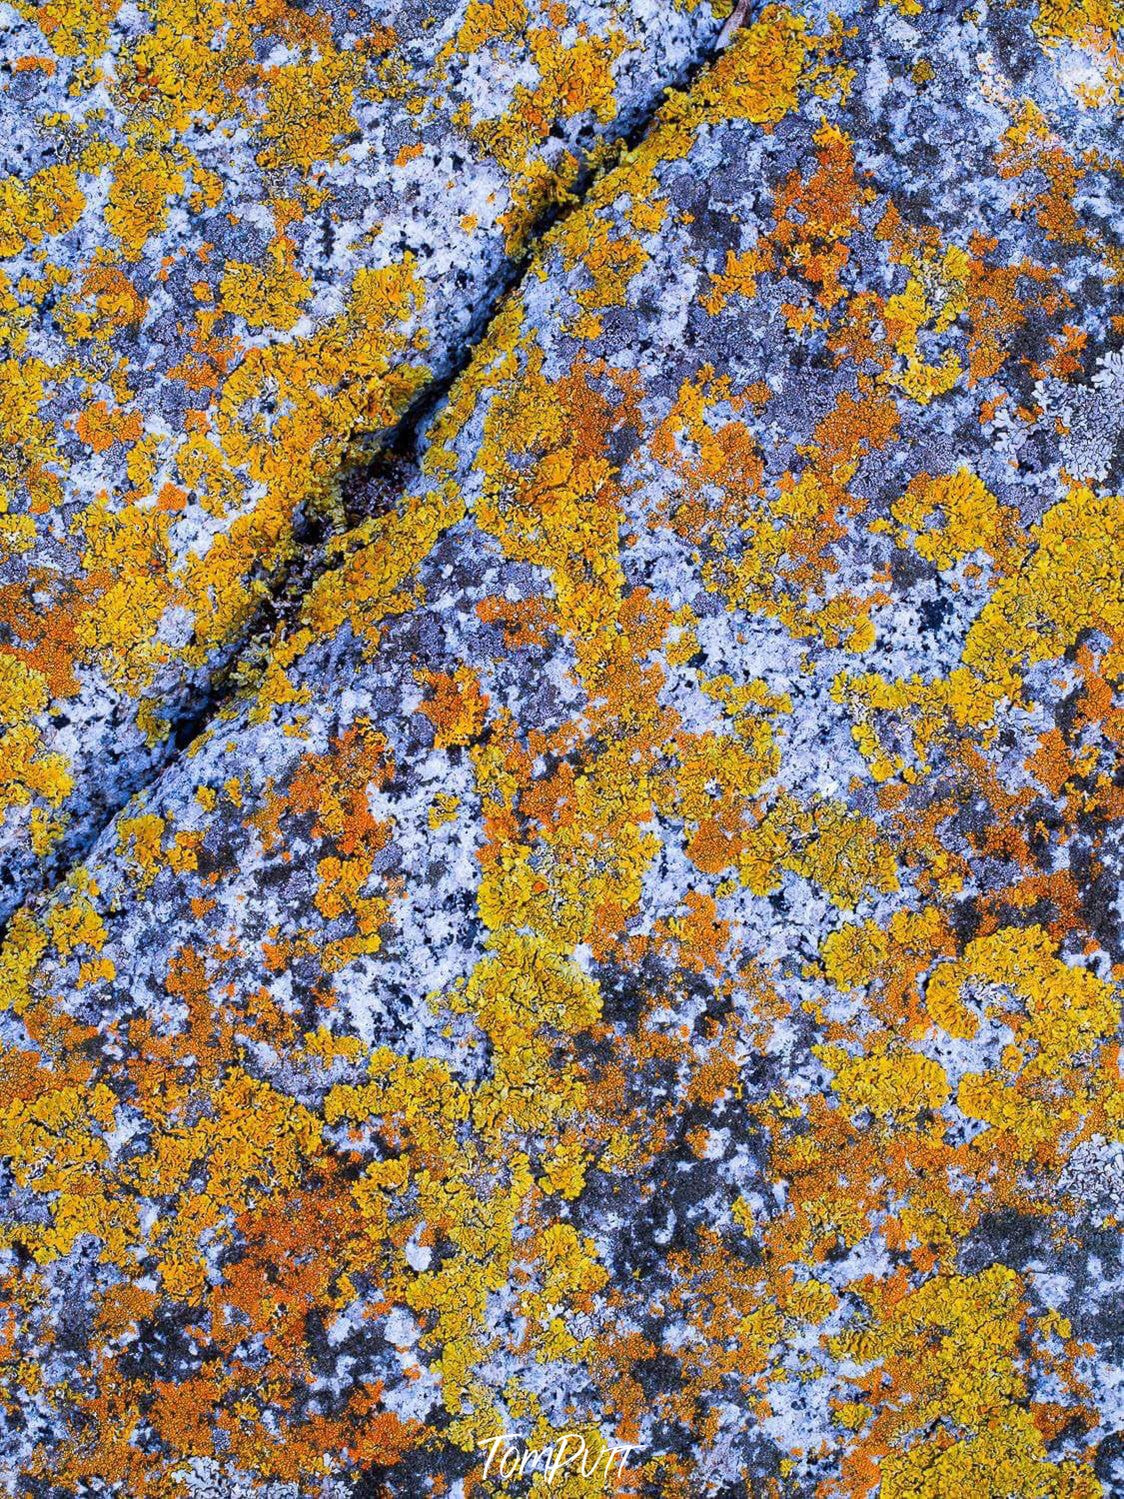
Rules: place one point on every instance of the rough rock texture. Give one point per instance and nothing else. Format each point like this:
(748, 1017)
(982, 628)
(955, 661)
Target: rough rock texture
(640, 956)
(235, 239)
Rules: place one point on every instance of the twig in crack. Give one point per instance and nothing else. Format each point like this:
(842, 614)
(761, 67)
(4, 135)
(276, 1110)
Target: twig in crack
(734, 22)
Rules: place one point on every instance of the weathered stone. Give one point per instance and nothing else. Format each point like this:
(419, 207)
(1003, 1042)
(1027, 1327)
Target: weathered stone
(238, 239)
(642, 957)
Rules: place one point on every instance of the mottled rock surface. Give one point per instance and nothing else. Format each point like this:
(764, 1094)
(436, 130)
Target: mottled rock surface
(639, 954)
(237, 242)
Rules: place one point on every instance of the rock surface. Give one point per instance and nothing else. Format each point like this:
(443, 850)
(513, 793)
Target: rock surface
(238, 242)
(640, 955)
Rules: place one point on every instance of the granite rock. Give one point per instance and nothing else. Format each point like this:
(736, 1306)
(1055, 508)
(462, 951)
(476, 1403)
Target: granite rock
(240, 241)
(639, 955)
